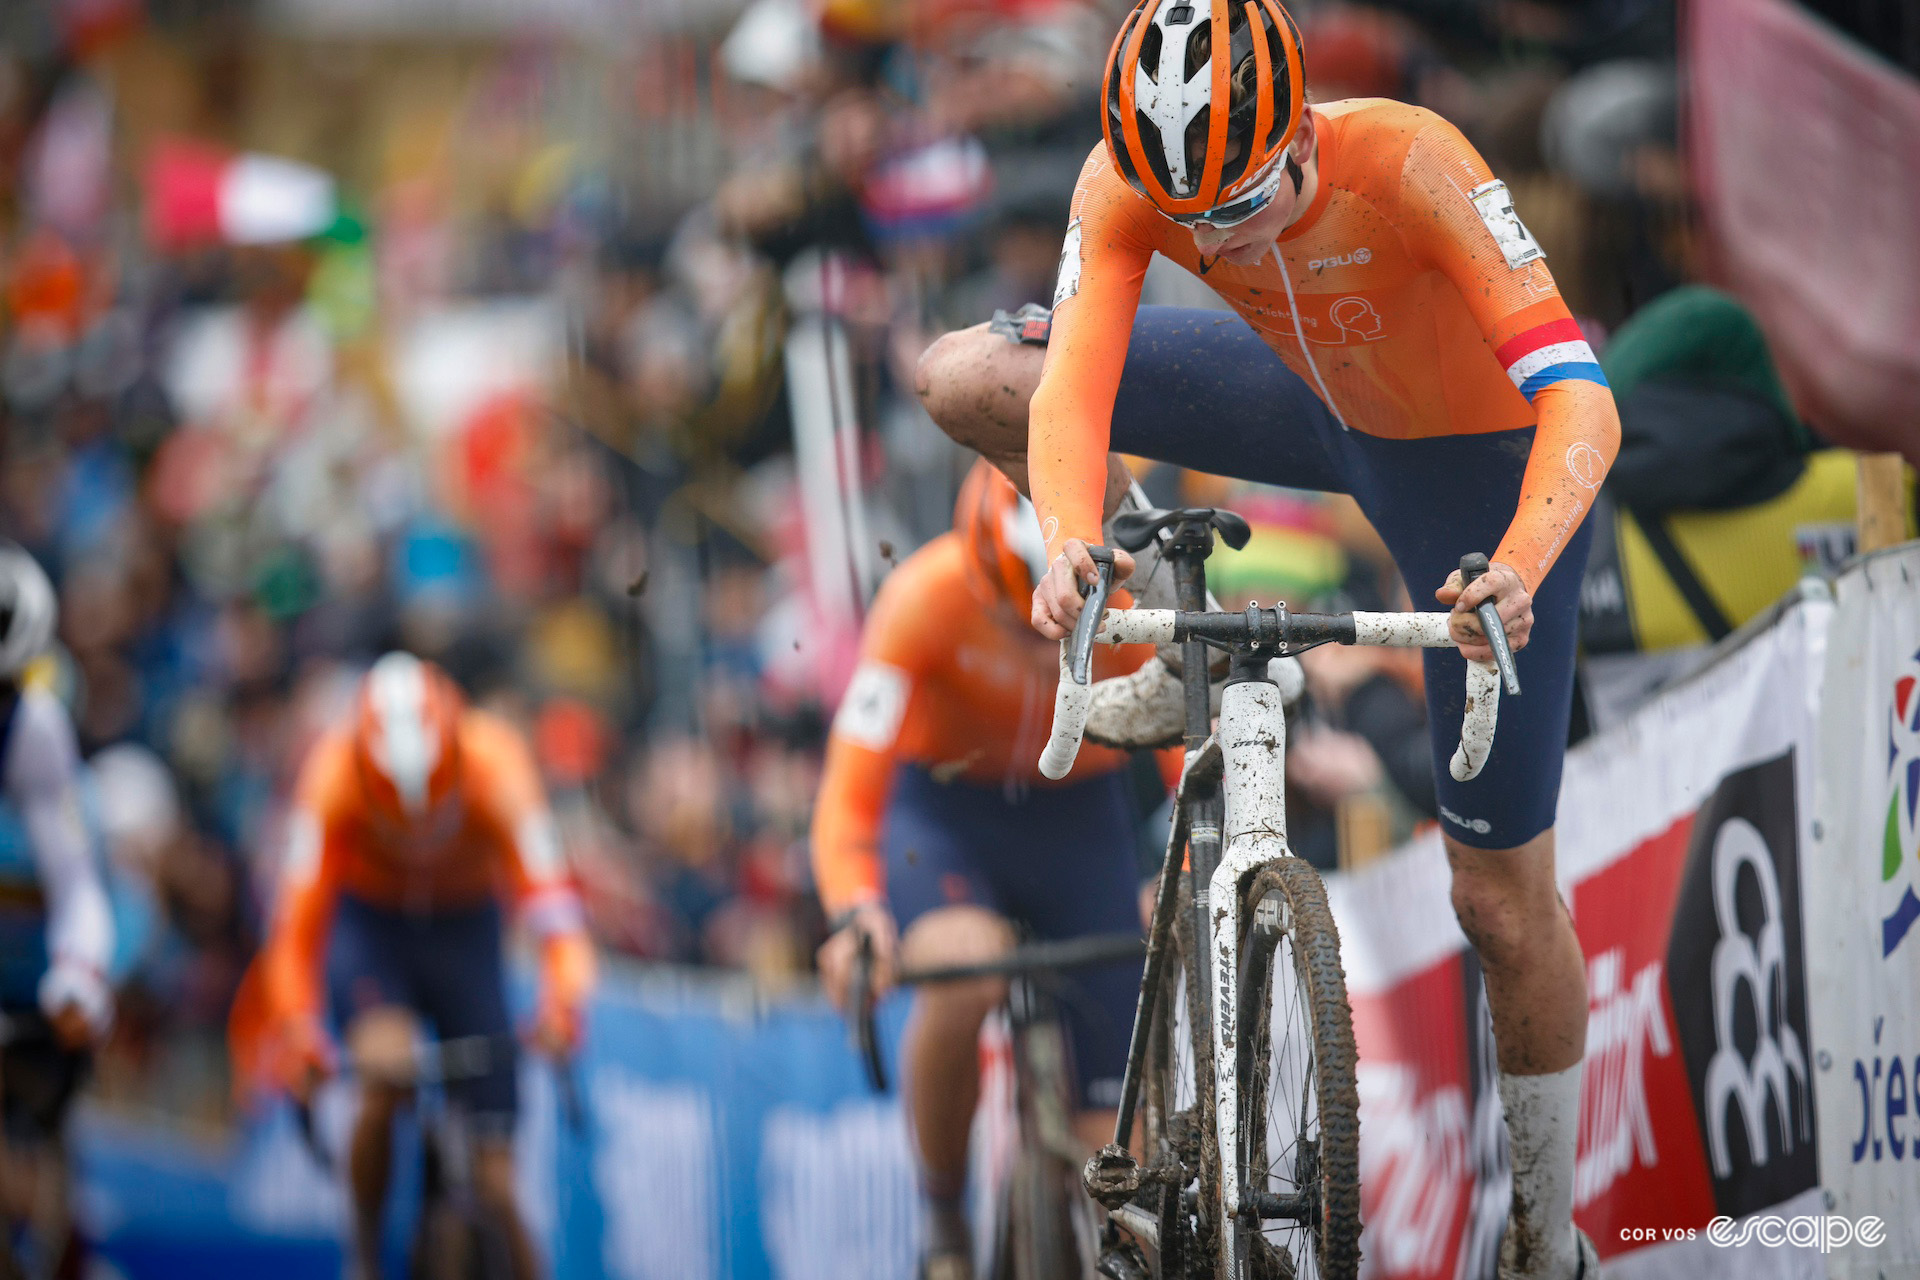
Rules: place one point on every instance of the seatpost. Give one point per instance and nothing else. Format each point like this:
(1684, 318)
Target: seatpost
(1187, 551)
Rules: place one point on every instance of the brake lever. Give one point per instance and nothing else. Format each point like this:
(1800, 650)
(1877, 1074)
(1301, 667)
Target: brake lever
(1092, 614)
(571, 1110)
(310, 1136)
(860, 1016)
(1473, 566)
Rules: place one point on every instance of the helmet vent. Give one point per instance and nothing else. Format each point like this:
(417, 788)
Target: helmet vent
(1150, 42)
(1199, 49)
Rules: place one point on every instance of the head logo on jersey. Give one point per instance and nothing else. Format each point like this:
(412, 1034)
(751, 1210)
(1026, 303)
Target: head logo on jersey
(1898, 905)
(406, 738)
(1001, 534)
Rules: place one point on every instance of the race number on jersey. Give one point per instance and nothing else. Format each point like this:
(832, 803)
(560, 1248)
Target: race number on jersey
(876, 702)
(1494, 203)
(1068, 282)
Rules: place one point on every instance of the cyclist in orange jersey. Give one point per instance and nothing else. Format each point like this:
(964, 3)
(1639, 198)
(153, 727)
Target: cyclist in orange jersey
(934, 833)
(411, 824)
(1399, 338)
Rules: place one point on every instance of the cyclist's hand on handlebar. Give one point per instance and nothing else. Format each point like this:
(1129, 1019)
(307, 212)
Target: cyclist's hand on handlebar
(557, 1027)
(1502, 585)
(307, 1058)
(71, 1027)
(1056, 601)
(839, 953)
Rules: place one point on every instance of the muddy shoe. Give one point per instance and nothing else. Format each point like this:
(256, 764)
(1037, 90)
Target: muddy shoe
(1140, 711)
(1148, 709)
(946, 1266)
(1586, 1260)
(1589, 1257)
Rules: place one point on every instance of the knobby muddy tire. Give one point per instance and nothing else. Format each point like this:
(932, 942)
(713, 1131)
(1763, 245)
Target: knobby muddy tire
(1315, 950)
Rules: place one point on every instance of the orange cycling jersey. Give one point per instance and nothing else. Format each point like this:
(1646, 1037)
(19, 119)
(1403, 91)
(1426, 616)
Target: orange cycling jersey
(497, 839)
(1407, 295)
(946, 681)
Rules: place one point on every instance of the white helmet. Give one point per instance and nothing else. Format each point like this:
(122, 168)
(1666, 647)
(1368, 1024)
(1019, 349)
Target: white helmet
(27, 609)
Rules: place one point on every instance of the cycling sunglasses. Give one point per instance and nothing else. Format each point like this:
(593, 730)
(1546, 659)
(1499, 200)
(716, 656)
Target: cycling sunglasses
(1227, 216)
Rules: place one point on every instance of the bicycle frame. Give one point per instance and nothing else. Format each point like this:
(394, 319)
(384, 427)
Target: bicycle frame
(1032, 970)
(1232, 829)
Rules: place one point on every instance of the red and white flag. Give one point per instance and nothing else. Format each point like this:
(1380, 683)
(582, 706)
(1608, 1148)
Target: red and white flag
(199, 194)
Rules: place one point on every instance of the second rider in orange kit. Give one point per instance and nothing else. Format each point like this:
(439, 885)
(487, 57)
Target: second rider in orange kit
(935, 835)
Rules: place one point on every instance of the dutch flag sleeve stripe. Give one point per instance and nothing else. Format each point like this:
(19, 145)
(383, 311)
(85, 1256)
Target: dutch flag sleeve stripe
(1546, 354)
(1585, 371)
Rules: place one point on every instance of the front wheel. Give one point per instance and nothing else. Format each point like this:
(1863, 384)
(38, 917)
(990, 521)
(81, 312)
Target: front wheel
(1299, 1152)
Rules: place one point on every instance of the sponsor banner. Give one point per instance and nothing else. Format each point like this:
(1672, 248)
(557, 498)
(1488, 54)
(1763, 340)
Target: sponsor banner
(1681, 840)
(1864, 910)
(721, 1138)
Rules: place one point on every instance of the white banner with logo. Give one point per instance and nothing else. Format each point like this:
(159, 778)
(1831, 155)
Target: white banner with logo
(1863, 907)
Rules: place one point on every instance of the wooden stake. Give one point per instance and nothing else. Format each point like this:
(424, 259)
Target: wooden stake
(1882, 501)
(1365, 828)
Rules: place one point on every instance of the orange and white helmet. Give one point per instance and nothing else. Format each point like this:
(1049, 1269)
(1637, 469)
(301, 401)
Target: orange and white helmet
(1005, 553)
(406, 739)
(1202, 100)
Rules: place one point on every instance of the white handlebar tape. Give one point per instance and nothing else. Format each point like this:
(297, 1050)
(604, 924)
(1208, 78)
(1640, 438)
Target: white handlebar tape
(1402, 630)
(1137, 626)
(1476, 727)
(1070, 703)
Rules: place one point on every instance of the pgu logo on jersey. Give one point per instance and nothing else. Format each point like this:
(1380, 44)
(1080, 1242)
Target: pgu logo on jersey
(1739, 990)
(1899, 908)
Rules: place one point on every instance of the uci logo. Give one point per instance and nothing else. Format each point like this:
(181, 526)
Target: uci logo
(1899, 908)
(1358, 258)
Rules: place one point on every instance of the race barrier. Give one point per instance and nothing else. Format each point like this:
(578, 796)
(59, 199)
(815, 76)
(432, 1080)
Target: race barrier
(1742, 862)
(1740, 859)
(720, 1136)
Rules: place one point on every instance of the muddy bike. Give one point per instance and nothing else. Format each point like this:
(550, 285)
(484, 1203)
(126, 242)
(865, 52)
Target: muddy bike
(1044, 1226)
(1241, 1073)
(454, 1238)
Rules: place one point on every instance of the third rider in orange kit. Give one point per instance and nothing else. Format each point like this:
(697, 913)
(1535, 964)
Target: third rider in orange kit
(410, 825)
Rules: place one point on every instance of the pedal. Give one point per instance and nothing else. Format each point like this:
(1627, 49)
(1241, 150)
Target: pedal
(1111, 1176)
(1123, 1262)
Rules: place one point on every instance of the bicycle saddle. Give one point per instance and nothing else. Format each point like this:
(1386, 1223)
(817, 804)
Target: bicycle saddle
(1135, 530)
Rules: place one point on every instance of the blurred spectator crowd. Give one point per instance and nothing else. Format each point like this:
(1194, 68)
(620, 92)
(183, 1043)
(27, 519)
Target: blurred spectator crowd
(522, 405)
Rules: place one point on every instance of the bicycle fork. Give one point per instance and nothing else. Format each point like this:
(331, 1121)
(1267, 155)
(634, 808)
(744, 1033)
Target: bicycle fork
(1253, 745)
